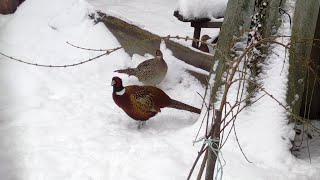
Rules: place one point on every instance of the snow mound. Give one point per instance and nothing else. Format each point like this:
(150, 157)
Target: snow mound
(211, 9)
(61, 123)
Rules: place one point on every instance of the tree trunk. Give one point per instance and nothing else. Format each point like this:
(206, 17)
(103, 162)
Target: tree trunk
(237, 17)
(268, 20)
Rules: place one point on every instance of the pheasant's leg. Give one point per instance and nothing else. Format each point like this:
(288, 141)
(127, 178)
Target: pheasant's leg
(140, 124)
(144, 123)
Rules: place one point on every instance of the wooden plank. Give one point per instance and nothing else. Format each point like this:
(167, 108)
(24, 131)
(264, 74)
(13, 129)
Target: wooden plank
(136, 40)
(206, 24)
(183, 19)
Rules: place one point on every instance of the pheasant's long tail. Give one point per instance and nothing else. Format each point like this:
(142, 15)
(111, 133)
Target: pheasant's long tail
(129, 71)
(179, 105)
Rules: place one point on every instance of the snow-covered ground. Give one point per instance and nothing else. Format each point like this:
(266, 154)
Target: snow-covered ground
(61, 123)
(308, 143)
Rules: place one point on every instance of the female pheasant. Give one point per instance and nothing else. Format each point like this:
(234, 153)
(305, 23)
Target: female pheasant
(203, 46)
(143, 102)
(149, 72)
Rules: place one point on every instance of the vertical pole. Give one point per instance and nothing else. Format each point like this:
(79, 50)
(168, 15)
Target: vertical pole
(196, 35)
(212, 158)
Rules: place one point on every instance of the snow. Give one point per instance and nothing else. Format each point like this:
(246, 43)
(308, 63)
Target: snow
(262, 128)
(212, 9)
(308, 142)
(61, 123)
(153, 15)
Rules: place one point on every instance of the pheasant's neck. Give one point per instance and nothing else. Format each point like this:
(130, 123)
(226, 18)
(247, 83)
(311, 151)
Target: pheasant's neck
(159, 57)
(119, 90)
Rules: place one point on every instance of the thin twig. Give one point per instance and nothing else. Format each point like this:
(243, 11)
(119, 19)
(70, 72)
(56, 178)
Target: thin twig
(203, 164)
(61, 66)
(289, 111)
(235, 133)
(88, 49)
(202, 149)
(238, 112)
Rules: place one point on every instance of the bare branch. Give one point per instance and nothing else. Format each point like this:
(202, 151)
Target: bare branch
(89, 49)
(61, 66)
(235, 133)
(203, 149)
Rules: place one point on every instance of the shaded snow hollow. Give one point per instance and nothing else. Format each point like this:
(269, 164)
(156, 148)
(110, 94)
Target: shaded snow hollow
(61, 123)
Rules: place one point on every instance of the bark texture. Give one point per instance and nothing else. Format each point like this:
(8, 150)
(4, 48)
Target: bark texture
(303, 31)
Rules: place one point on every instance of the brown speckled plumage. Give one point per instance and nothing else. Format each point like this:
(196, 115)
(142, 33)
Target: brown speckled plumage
(144, 102)
(149, 72)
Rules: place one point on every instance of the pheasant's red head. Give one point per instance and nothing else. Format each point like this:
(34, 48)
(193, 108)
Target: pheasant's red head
(116, 82)
(117, 86)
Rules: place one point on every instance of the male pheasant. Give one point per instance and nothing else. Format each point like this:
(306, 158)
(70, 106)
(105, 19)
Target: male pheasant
(149, 72)
(143, 102)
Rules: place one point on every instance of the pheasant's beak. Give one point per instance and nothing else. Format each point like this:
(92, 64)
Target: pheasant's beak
(113, 82)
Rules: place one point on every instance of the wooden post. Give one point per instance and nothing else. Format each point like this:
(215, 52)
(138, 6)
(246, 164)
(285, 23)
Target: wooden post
(312, 85)
(212, 158)
(237, 16)
(197, 29)
(303, 31)
(196, 35)
(198, 23)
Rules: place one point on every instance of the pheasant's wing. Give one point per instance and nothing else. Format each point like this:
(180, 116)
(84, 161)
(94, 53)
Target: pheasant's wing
(145, 65)
(143, 100)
